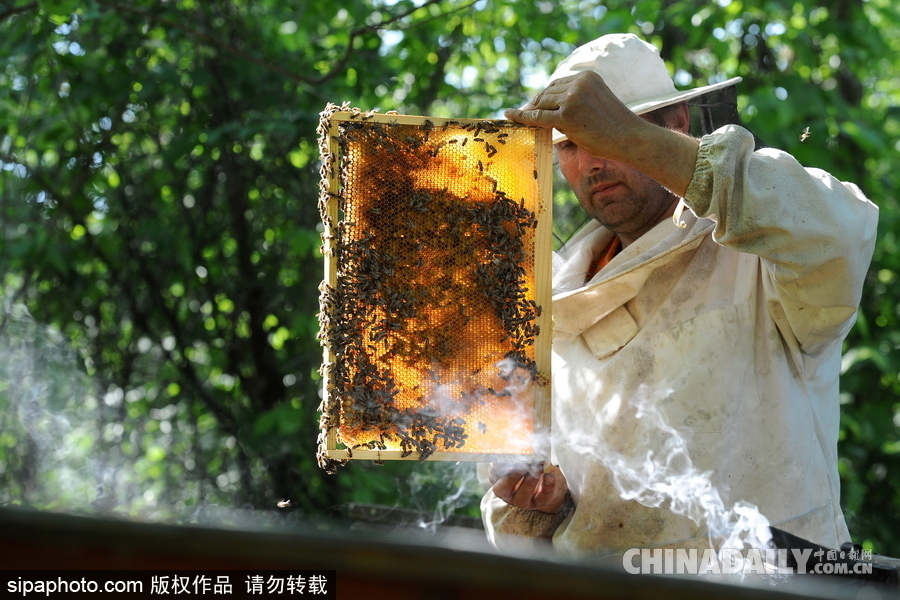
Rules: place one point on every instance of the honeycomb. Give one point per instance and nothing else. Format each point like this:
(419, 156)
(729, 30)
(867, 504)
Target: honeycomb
(430, 308)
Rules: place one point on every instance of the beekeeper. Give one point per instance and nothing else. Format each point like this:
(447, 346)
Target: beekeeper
(696, 352)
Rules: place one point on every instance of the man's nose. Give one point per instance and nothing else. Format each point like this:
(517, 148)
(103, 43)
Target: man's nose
(589, 164)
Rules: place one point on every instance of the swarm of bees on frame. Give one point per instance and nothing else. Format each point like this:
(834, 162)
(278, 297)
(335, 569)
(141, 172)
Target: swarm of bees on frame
(430, 319)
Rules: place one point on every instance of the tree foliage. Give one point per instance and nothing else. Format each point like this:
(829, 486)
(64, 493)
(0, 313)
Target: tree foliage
(158, 180)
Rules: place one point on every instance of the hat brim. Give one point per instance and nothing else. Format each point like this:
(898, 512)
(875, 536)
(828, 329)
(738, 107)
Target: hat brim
(651, 104)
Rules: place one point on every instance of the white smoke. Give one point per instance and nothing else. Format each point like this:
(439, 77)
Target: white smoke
(60, 434)
(658, 472)
(41, 393)
(61, 431)
(441, 491)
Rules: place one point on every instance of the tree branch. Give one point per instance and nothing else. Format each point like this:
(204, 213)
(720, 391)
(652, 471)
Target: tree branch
(16, 10)
(435, 17)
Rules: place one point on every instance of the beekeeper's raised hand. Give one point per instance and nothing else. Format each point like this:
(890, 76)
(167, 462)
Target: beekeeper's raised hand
(586, 111)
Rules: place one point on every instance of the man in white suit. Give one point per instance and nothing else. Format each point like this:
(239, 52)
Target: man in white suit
(724, 320)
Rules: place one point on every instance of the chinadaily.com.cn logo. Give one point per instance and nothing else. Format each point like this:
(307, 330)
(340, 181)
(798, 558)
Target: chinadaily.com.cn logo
(749, 561)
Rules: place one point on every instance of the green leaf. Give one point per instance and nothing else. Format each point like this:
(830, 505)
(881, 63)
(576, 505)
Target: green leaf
(59, 7)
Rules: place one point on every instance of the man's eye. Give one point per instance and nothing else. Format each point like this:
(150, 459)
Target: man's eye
(565, 146)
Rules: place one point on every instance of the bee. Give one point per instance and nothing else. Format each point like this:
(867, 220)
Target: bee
(805, 135)
(284, 504)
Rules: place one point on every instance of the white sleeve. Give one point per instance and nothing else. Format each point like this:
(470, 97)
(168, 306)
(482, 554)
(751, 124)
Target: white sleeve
(815, 234)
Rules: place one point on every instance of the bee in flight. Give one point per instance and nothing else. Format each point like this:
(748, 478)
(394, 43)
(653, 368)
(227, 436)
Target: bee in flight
(284, 504)
(805, 134)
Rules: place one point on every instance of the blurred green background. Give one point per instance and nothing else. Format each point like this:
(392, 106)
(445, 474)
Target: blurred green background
(160, 253)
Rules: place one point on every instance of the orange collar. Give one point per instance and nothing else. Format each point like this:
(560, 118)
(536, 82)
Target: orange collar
(604, 257)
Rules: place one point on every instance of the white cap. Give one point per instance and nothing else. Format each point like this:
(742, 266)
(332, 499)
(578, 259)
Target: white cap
(633, 70)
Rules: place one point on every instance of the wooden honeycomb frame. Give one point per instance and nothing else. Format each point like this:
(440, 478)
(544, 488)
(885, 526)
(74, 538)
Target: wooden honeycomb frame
(437, 245)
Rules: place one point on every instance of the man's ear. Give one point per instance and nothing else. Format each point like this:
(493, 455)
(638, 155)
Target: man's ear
(680, 118)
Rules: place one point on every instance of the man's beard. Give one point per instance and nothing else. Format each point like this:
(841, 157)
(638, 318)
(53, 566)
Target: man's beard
(598, 210)
(622, 213)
